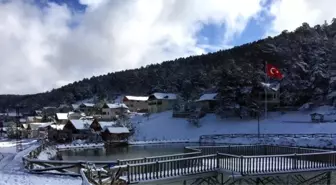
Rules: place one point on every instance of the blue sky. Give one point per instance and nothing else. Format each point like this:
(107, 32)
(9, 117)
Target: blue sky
(210, 34)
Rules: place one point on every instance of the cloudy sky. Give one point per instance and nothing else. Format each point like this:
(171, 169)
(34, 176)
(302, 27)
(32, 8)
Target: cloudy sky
(46, 44)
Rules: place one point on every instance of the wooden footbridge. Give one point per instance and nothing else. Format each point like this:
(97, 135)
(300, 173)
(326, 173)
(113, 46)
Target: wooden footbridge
(223, 165)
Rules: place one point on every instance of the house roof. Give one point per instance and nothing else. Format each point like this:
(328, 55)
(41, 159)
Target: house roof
(75, 106)
(208, 97)
(137, 98)
(116, 105)
(167, 96)
(104, 124)
(57, 126)
(62, 116)
(88, 104)
(117, 130)
(80, 124)
(35, 126)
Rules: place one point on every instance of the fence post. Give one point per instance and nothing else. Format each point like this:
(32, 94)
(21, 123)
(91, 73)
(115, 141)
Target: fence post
(157, 169)
(295, 162)
(217, 160)
(128, 174)
(241, 164)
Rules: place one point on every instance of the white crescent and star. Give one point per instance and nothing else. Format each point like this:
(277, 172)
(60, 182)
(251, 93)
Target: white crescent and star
(273, 71)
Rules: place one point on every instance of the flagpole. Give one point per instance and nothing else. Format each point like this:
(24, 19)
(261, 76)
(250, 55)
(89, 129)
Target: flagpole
(266, 81)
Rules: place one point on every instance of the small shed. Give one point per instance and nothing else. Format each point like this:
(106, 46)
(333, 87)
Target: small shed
(317, 117)
(208, 102)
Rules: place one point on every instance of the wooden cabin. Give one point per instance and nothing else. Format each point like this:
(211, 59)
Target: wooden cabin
(136, 103)
(113, 109)
(61, 118)
(99, 126)
(208, 102)
(159, 102)
(77, 129)
(115, 134)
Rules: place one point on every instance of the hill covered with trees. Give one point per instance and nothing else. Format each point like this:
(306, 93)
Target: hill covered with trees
(306, 56)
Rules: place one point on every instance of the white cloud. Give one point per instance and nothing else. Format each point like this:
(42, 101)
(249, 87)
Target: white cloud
(289, 14)
(40, 51)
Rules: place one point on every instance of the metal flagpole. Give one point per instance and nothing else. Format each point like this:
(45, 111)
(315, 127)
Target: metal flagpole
(266, 81)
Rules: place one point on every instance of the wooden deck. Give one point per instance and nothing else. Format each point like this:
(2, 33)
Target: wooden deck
(229, 164)
(238, 160)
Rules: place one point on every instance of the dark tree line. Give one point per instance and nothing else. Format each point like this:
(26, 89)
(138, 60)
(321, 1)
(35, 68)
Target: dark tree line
(305, 56)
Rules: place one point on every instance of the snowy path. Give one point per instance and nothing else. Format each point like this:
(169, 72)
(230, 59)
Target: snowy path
(12, 171)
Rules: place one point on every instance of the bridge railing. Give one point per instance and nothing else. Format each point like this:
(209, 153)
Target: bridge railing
(264, 164)
(252, 150)
(158, 158)
(223, 136)
(171, 168)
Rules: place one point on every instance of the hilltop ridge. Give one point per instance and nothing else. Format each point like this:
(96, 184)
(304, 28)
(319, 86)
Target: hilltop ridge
(306, 56)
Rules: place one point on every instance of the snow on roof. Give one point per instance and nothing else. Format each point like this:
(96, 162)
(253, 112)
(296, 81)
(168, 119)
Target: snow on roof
(25, 125)
(104, 124)
(35, 126)
(207, 97)
(62, 116)
(22, 120)
(117, 130)
(57, 126)
(116, 105)
(75, 106)
(137, 98)
(167, 96)
(88, 104)
(80, 124)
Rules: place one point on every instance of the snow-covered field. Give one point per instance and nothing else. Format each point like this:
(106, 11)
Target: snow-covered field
(163, 126)
(12, 171)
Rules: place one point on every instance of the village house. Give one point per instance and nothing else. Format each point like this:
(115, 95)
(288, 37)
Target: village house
(75, 115)
(272, 99)
(99, 126)
(49, 111)
(115, 134)
(208, 102)
(77, 129)
(159, 102)
(111, 110)
(87, 108)
(61, 118)
(75, 107)
(34, 119)
(64, 108)
(136, 103)
(38, 130)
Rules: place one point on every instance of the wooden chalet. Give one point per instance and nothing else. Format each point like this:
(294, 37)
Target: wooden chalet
(61, 118)
(77, 129)
(113, 109)
(99, 126)
(208, 102)
(115, 134)
(136, 103)
(159, 102)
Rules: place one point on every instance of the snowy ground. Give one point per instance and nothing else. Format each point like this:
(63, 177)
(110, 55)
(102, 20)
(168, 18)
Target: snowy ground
(163, 126)
(12, 172)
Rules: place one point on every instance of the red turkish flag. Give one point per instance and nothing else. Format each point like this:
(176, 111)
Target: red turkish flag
(273, 72)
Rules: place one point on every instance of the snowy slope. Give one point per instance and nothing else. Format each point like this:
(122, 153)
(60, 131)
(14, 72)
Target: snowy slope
(163, 126)
(12, 172)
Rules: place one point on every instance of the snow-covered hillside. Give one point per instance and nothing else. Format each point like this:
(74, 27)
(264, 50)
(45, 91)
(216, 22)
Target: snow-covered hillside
(163, 126)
